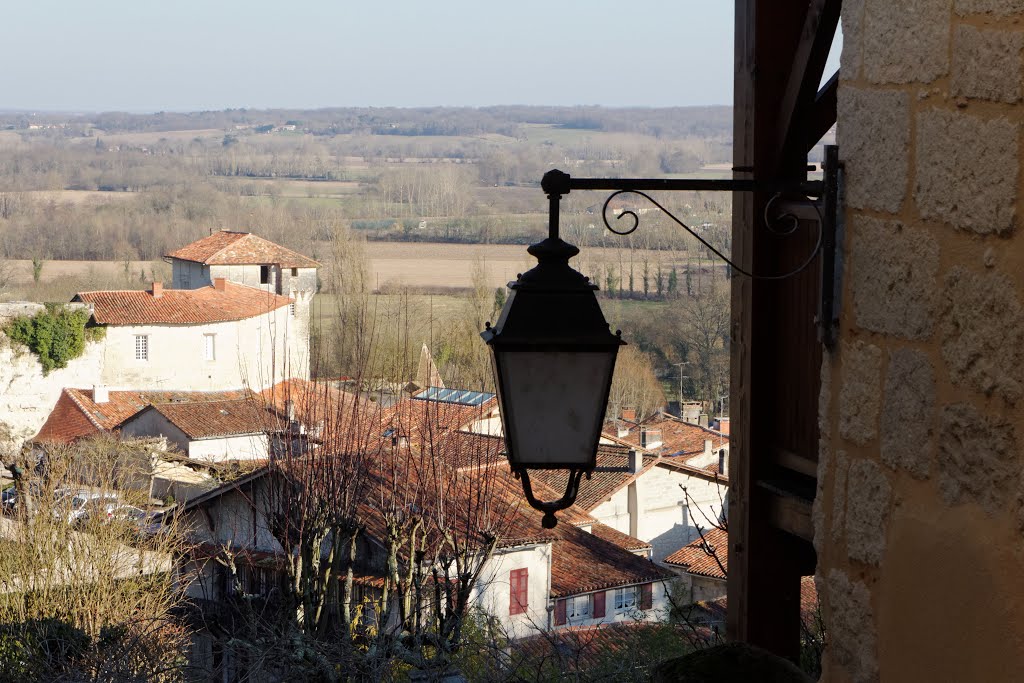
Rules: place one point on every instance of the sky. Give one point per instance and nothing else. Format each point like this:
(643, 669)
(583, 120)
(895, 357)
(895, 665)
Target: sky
(187, 55)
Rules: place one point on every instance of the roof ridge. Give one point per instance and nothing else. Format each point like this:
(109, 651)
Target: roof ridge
(244, 235)
(74, 399)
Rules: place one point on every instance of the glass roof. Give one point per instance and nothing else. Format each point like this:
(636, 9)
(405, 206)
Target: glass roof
(462, 397)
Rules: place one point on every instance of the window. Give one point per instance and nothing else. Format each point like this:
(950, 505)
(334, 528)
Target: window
(625, 598)
(295, 272)
(599, 603)
(518, 581)
(264, 275)
(291, 309)
(646, 596)
(142, 347)
(578, 607)
(209, 347)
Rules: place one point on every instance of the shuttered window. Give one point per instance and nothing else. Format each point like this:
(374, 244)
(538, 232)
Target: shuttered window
(599, 599)
(560, 613)
(646, 596)
(209, 347)
(518, 580)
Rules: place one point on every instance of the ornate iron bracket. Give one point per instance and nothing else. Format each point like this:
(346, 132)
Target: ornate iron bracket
(572, 488)
(817, 199)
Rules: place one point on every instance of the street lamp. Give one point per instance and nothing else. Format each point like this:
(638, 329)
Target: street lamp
(553, 356)
(552, 351)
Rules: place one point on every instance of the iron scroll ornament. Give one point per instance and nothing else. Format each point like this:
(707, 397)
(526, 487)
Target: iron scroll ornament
(771, 222)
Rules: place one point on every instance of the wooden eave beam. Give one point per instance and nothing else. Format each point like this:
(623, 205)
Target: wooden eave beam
(823, 114)
(819, 29)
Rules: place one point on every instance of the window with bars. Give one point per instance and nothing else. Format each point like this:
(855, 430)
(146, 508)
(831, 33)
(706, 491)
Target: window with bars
(519, 584)
(142, 347)
(209, 347)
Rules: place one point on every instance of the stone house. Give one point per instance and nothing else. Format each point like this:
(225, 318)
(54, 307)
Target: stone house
(670, 436)
(660, 500)
(703, 566)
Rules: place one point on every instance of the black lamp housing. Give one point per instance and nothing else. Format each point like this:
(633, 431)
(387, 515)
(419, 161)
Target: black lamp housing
(553, 356)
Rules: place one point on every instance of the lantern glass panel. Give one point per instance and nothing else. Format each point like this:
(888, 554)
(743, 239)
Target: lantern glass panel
(554, 403)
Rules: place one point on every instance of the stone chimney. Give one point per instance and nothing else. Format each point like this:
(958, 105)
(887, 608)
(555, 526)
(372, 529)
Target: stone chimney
(220, 284)
(702, 421)
(289, 410)
(621, 429)
(722, 464)
(100, 393)
(650, 438)
(158, 290)
(707, 446)
(636, 461)
(723, 425)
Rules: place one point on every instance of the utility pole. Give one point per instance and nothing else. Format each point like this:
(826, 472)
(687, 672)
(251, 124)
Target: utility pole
(681, 378)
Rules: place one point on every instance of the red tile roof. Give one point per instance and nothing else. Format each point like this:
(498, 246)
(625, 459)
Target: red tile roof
(582, 562)
(181, 306)
(707, 556)
(601, 485)
(76, 415)
(678, 438)
(210, 419)
(424, 421)
(240, 248)
(607, 533)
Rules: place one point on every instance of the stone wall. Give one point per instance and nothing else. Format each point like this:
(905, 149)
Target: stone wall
(26, 395)
(919, 519)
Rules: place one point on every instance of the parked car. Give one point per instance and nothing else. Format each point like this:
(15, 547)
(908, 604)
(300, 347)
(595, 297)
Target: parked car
(74, 505)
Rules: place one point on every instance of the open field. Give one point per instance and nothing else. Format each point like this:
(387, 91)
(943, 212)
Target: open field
(392, 266)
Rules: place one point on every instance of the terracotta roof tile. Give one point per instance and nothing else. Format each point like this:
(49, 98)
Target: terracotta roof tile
(181, 306)
(678, 438)
(601, 485)
(699, 556)
(76, 415)
(583, 562)
(209, 419)
(607, 533)
(240, 248)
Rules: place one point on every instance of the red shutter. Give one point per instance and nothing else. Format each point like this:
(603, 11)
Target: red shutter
(518, 583)
(599, 605)
(646, 596)
(560, 613)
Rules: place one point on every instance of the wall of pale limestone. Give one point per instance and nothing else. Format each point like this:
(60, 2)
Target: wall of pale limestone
(919, 517)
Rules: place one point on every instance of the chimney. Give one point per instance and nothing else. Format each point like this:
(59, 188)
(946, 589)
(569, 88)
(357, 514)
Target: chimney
(721, 462)
(702, 421)
(636, 461)
(723, 425)
(621, 429)
(650, 438)
(220, 284)
(100, 393)
(629, 414)
(707, 446)
(158, 290)
(289, 410)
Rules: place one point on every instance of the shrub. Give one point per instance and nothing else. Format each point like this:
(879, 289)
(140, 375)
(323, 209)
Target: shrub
(56, 335)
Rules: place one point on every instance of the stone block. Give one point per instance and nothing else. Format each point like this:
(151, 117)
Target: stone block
(893, 272)
(839, 496)
(853, 639)
(987, 64)
(982, 332)
(906, 42)
(873, 137)
(852, 22)
(967, 170)
(908, 413)
(868, 495)
(999, 8)
(978, 458)
(860, 394)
